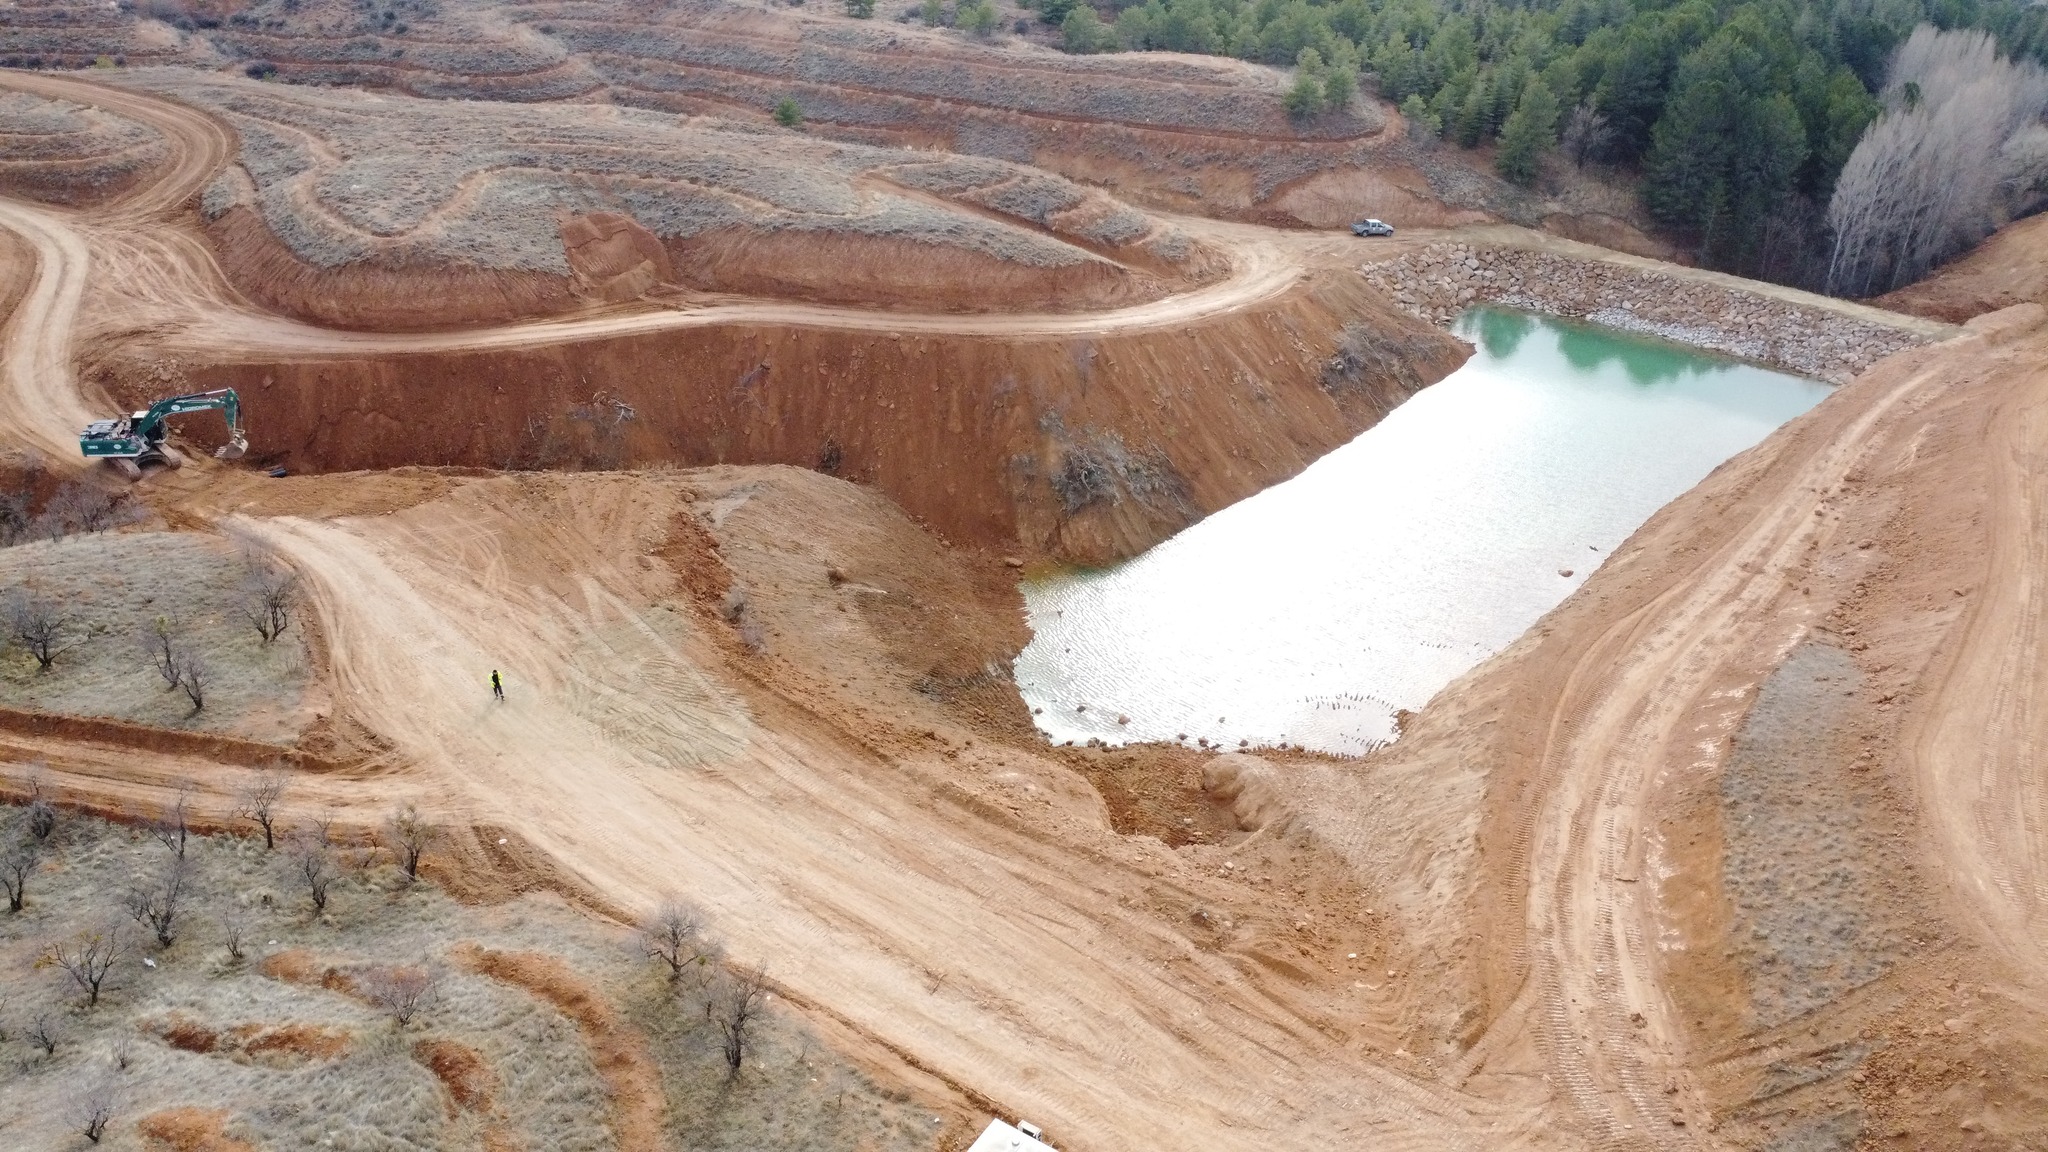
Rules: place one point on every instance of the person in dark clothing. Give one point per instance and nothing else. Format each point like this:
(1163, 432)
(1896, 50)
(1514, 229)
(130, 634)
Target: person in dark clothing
(497, 685)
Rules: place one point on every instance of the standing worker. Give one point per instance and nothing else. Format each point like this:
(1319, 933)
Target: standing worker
(497, 686)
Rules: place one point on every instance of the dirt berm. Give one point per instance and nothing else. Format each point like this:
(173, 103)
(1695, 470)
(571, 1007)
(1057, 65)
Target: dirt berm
(1086, 449)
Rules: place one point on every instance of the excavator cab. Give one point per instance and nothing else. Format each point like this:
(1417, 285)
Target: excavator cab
(132, 441)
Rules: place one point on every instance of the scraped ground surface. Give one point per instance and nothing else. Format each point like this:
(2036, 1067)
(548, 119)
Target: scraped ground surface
(1531, 923)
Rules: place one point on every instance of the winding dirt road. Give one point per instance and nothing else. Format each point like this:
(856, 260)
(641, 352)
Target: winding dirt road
(973, 913)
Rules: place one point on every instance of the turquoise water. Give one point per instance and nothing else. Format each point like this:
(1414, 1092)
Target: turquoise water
(1310, 613)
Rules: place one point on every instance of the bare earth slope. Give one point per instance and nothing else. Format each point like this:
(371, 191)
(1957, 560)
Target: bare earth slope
(1739, 848)
(2009, 268)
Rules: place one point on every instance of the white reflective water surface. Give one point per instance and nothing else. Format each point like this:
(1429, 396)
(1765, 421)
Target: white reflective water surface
(1310, 613)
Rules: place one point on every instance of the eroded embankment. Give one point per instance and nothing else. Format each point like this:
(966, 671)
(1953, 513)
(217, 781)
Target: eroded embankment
(1436, 282)
(1087, 448)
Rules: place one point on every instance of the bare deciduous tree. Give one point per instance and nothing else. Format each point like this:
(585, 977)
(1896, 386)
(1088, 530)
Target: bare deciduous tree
(172, 827)
(88, 958)
(675, 935)
(195, 675)
(270, 593)
(313, 862)
(162, 643)
(233, 927)
(737, 1000)
(93, 1107)
(159, 903)
(402, 991)
(410, 835)
(1585, 136)
(46, 1031)
(259, 801)
(16, 866)
(1926, 181)
(38, 624)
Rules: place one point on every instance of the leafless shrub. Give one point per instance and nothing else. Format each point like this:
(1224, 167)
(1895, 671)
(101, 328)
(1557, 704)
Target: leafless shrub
(14, 516)
(195, 675)
(93, 1106)
(675, 935)
(410, 835)
(234, 927)
(42, 818)
(16, 866)
(313, 864)
(87, 958)
(82, 507)
(42, 815)
(163, 646)
(172, 827)
(1926, 181)
(753, 635)
(37, 624)
(270, 594)
(46, 1031)
(737, 1000)
(259, 801)
(1082, 478)
(403, 992)
(734, 605)
(159, 903)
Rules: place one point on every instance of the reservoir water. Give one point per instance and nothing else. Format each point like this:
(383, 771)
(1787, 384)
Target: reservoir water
(1311, 612)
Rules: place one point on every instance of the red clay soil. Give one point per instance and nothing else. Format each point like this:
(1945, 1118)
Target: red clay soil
(616, 1047)
(144, 738)
(189, 1130)
(462, 1071)
(969, 433)
(288, 1043)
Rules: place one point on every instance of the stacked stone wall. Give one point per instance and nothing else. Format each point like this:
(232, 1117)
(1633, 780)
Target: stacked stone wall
(1437, 282)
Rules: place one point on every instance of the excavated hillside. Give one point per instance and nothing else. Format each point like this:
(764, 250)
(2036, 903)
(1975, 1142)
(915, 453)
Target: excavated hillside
(1195, 134)
(1739, 847)
(58, 152)
(2011, 267)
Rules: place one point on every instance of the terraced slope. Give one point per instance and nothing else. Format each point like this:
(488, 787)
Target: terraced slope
(1188, 133)
(64, 153)
(395, 212)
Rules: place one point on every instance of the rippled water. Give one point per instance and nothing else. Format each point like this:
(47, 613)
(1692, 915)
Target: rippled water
(1309, 613)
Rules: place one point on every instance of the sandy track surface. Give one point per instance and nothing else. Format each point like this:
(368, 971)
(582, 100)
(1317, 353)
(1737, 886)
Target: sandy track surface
(629, 761)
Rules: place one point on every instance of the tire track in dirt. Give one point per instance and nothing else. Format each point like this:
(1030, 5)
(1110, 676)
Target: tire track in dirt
(1979, 736)
(1608, 1028)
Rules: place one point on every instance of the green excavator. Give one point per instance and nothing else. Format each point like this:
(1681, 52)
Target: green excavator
(132, 441)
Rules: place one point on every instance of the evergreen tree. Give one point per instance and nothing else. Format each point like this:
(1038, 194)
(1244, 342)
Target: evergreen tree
(1530, 132)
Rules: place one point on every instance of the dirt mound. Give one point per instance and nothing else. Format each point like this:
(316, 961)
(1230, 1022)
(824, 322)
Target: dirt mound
(1085, 448)
(189, 1130)
(64, 153)
(2009, 268)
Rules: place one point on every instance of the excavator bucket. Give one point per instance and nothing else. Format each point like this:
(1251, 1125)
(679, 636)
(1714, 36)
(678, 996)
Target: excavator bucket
(233, 449)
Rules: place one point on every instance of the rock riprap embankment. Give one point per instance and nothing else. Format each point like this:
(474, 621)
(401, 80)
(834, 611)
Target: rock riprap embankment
(1437, 282)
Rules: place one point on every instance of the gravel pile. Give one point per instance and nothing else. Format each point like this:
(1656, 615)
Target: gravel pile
(1439, 281)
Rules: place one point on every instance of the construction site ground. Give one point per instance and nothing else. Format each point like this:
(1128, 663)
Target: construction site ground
(1741, 846)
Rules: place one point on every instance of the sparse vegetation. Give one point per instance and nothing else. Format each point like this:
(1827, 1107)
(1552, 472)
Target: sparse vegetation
(313, 861)
(737, 1000)
(38, 625)
(675, 935)
(276, 1043)
(402, 991)
(259, 801)
(270, 592)
(159, 903)
(409, 835)
(88, 958)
